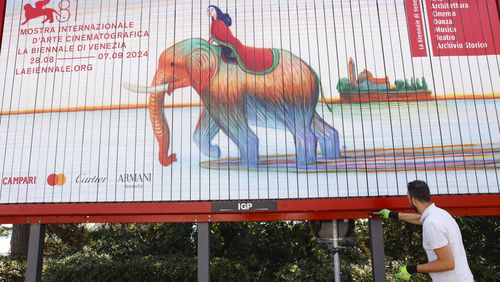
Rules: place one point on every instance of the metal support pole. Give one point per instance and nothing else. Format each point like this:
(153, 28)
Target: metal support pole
(203, 252)
(377, 248)
(336, 256)
(35, 253)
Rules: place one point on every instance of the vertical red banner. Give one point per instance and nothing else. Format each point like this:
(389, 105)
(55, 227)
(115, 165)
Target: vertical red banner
(416, 28)
(3, 3)
(464, 28)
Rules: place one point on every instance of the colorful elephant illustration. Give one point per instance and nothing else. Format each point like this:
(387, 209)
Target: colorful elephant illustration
(234, 99)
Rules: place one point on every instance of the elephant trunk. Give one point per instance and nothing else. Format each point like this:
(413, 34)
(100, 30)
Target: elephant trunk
(159, 123)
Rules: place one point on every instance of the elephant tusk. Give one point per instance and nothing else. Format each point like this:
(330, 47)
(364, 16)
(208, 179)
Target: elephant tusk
(134, 87)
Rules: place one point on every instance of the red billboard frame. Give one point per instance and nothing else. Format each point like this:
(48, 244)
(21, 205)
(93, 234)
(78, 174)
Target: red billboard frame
(310, 209)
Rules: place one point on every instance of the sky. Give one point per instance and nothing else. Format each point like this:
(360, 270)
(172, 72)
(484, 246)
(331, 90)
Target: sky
(5, 243)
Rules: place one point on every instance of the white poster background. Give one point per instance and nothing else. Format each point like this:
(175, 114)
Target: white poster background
(47, 136)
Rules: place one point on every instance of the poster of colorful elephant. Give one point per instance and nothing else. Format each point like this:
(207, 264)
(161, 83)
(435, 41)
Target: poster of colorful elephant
(144, 101)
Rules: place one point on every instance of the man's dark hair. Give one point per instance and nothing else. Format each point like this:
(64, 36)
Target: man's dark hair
(419, 190)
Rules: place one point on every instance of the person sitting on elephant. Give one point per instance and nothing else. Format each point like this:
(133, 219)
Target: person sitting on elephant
(233, 51)
(223, 22)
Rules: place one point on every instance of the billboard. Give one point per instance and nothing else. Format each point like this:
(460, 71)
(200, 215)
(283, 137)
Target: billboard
(167, 101)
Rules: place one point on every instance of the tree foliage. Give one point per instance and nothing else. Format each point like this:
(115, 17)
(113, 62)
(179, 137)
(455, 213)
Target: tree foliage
(481, 236)
(12, 269)
(344, 86)
(279, 251)
(257, 251)
(4, 230)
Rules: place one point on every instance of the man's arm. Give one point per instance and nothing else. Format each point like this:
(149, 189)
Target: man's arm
(444, 262)
(408, 217)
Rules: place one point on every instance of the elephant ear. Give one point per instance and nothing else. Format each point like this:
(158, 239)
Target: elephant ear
(204, 65)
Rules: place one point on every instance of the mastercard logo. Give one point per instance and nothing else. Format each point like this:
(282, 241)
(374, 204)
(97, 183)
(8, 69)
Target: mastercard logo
(56, 179)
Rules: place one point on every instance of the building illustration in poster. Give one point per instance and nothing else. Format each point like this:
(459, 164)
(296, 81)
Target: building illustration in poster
(363, 87)
(112, 101)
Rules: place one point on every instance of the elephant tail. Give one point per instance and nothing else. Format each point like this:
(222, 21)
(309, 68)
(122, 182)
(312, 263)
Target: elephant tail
(320, 86)
(134, 87)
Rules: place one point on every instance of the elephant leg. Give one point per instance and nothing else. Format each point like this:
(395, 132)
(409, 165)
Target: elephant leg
(205, 131)
(328, 138)
(305, 139)
(234, 123)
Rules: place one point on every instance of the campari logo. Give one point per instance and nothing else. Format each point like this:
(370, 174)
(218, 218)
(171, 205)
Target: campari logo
(56, 179)
(18, 180)
(60, 11)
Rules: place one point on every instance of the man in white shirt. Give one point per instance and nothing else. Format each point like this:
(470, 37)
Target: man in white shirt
(441, 238)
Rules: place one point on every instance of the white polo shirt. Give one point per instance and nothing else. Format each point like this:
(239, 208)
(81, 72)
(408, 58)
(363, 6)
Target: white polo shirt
(439, 230)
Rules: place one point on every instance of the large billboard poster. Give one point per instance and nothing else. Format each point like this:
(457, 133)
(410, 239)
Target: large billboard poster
(148, 101)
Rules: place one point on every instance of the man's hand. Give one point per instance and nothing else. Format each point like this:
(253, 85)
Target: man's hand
(403, 274)
(386, 214)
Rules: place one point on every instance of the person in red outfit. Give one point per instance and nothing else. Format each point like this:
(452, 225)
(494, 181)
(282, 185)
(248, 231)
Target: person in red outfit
(252, 59)
(220, 29)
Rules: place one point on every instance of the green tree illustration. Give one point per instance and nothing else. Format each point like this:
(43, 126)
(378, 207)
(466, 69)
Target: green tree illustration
(343, 86)
(400, 85)
(424, 84)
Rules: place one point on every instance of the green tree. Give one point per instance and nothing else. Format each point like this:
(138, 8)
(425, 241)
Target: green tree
(400, 85)
(424, 84)
(343, 86)
(261, 249)
(413, 85)
(4, 230)
(64, 238)
(255, 251)
(407, 84)
(12, 269)
(419, 84)
(481, 240)
(132, 252)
